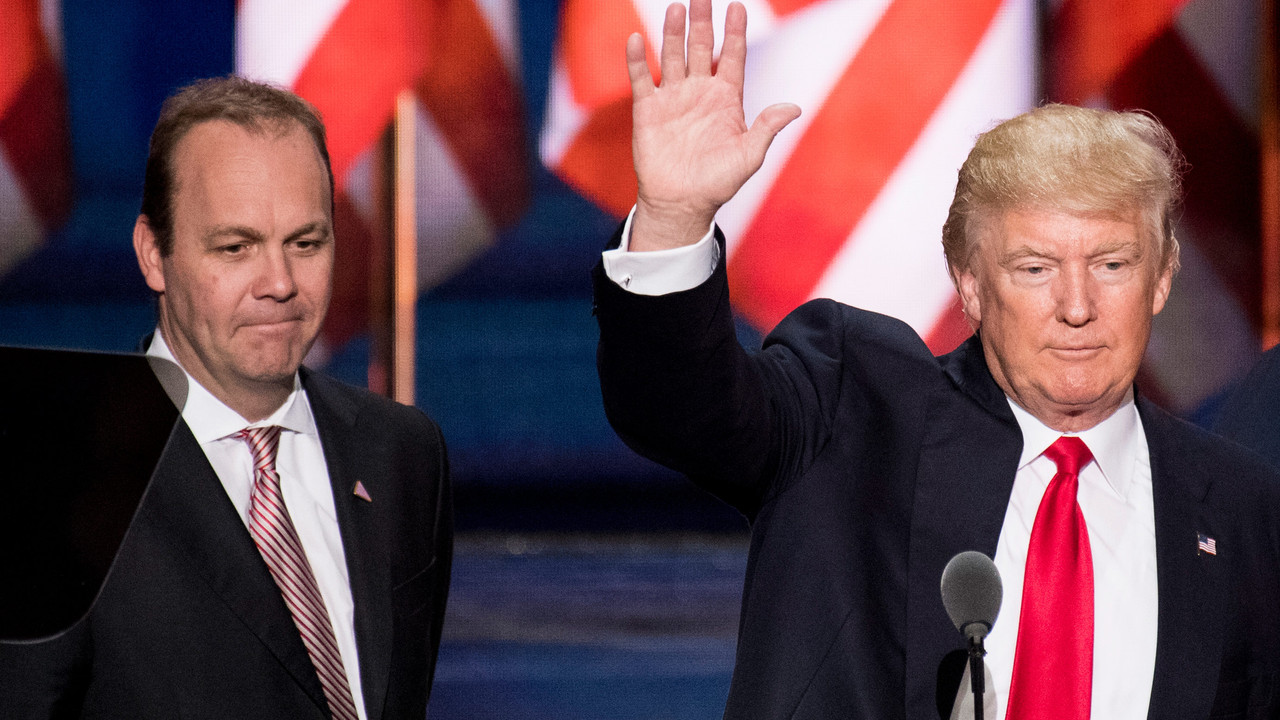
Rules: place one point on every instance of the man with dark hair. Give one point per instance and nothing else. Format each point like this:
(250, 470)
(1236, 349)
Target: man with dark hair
(291, 556)
(1140, 555)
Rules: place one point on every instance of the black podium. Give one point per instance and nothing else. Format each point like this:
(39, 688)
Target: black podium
(80, 436)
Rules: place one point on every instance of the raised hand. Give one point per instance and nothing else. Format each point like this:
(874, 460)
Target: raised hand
(691, 144)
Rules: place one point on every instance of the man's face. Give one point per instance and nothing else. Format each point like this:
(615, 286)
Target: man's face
(1064, 306)
(246, 287)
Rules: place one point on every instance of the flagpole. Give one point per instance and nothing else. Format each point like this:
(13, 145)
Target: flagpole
(1269, 175)
(404, 251)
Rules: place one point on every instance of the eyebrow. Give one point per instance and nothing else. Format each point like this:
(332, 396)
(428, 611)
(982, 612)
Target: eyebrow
(252, 234)
(1026, 251)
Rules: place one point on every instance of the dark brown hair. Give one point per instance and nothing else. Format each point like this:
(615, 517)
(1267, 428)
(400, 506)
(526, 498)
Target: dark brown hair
(254, 106)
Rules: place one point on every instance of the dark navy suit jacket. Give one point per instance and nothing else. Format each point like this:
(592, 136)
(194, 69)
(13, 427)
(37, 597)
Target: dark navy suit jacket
(864, 464)
(190, 623)
(1251, 415)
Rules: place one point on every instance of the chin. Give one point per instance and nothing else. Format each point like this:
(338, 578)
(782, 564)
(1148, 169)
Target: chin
(1083, 400)
(272, 372)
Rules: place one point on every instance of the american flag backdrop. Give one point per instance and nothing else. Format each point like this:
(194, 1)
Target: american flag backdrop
(351, 58)
(852, 197)
(35, 161)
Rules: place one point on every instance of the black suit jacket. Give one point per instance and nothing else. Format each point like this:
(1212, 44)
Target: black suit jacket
(1251, 415)
(864, 464)
(190, 623)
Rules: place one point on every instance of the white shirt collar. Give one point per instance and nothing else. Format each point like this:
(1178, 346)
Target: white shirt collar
(1113, 442)
(210, 419)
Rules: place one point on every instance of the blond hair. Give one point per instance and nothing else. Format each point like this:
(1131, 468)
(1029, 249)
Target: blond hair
(1068, 159)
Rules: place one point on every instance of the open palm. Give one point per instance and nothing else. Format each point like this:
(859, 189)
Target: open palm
(692, 147)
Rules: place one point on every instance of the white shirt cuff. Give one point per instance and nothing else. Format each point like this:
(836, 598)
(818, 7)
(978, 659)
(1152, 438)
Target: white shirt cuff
(660, 272)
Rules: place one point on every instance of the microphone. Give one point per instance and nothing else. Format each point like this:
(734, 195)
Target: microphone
(971, 593)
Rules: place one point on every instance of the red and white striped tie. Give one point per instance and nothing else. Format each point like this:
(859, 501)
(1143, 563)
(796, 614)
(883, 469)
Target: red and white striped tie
(273, 532)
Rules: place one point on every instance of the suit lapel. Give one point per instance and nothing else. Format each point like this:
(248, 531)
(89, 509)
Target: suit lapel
(968, 460)
(188, 501)
(1190, 625)
(364, 545)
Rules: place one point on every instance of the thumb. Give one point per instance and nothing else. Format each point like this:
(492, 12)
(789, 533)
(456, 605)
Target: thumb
(767, 125)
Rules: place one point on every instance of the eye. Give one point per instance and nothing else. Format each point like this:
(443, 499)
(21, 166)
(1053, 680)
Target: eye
(307, 244)
(233, 249)
(1114, 265)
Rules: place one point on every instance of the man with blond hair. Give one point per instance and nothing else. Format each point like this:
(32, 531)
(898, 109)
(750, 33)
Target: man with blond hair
(1140, 556)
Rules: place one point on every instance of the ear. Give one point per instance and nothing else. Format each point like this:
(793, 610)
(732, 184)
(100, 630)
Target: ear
(1164, 284)
(970, 301)
(147, 249)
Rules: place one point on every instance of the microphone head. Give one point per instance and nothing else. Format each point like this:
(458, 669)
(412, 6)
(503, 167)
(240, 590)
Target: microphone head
(971, 593)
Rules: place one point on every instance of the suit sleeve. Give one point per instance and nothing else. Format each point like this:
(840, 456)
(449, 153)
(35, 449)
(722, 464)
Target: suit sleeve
(679, 389)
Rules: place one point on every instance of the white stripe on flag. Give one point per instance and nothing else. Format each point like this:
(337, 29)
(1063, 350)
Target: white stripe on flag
(799, 62)
(893, 263)
(265, 52)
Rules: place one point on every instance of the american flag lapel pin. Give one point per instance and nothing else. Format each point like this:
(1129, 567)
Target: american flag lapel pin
(1206, 545)
(361, 492)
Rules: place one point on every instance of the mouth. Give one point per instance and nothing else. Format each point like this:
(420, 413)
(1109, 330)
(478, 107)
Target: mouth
(270, 326)
(1077, 352)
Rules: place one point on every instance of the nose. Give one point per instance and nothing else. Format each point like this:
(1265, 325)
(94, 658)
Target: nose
(1076, 304)
(275, 275)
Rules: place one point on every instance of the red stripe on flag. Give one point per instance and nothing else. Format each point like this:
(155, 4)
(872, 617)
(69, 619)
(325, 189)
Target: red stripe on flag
(868, 123)
(949, 330)
(34, 132)
(476, 104)
(593, 36)
(23, 44)
(370, 52)
(1094, 40)
(786, 7)
(598, 162)
(1222, 185)
(349, 306)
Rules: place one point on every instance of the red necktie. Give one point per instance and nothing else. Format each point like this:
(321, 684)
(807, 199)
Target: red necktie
(1053, 665)
(277, 540)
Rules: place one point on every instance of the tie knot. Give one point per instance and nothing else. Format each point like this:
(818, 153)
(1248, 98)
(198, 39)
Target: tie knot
(1069, 453)
(263, 443)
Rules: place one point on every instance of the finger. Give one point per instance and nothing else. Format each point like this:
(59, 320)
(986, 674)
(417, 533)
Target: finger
(702, 37)
(673, 44)
(638, 68)
(766, 127)
(733, 51)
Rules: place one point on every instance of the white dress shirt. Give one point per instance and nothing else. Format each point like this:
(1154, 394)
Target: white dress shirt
(1115, 498)
(304, 483)
(1116, 501)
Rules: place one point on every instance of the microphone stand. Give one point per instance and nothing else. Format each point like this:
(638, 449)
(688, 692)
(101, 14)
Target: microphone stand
(977, 673)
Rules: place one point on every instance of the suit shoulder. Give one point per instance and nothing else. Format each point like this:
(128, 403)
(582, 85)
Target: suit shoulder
(857, 331)
(1206, 454)
(359, 404)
